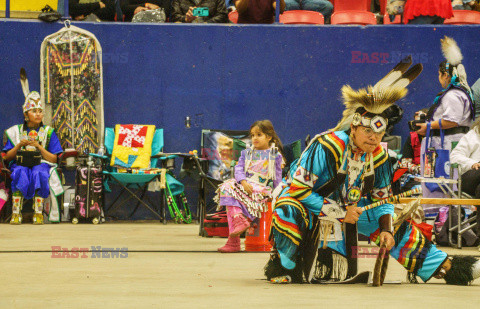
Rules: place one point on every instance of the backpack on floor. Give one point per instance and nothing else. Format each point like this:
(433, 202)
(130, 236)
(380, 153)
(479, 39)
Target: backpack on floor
(216, 224)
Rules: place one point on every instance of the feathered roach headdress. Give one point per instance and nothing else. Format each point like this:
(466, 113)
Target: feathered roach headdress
(32, 98)
(454, 57)
(366, 106)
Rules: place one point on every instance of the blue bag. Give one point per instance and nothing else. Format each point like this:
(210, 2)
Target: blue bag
(436, 161)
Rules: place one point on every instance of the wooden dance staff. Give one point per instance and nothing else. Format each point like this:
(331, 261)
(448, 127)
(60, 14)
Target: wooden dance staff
(404, 198)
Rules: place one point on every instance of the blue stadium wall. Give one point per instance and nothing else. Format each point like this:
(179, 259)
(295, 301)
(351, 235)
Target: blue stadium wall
(227, 76)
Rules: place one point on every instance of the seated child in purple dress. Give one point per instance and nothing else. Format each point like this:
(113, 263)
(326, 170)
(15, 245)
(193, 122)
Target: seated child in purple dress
(246, 195)
(32, 182)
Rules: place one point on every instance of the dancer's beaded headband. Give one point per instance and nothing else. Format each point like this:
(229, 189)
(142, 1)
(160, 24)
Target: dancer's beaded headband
(370, 120)
(32, 101)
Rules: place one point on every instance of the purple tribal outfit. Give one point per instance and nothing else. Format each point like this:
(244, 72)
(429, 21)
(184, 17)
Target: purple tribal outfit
(257, 167)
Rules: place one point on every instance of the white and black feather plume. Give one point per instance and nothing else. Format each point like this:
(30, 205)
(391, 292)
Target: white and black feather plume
(395, 74)
(24, 82)
(384, 94)
(408, 76)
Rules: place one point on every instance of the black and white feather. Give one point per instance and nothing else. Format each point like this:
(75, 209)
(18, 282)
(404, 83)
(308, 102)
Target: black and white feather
(395, 74)
(24, 82)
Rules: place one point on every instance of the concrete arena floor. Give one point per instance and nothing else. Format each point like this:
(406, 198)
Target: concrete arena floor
(170, 266)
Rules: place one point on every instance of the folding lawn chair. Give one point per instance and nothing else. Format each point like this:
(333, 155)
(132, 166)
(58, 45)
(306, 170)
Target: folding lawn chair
(136, 184)
(214, 170)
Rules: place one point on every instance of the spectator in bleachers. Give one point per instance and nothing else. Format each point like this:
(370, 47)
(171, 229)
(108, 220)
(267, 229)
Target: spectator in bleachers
(427, 11)
(324, 7)
(230, 4)
(80, 9)
(132, 7)
(257, 11)
(182, 11)
(466, 5)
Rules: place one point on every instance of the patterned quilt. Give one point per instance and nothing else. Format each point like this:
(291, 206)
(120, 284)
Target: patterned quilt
(133, 146)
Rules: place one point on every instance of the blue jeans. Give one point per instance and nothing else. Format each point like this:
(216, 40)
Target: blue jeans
(324, 7)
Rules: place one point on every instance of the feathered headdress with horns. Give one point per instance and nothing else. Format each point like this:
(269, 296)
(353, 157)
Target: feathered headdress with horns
(366, 106)
(454, 57)
(32, 98)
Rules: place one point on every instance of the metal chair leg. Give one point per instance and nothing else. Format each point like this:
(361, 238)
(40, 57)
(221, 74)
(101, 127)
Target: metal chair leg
(163, 197)
(202, 205)
(138, 199)
(138, 203)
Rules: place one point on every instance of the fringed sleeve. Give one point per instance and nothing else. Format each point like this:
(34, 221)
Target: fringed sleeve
(316, 167)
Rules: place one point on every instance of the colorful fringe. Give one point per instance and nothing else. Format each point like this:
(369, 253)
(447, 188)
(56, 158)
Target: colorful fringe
(379, 156)
(413, 253)
(255, 203)
(289, 220)
(335, 145)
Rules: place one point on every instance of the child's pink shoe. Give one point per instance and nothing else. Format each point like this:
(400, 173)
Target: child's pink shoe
(240, 225)
(232, 245)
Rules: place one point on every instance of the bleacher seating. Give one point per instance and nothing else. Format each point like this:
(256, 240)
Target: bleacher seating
(353, 18)
(233, 16)
(396, 21)
(383, 7)
(351, 5)
(302, 17)
(463, 17)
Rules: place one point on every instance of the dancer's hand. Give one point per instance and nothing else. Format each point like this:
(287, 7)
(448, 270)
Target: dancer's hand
(353, 213)
(475, 166)
(387, 239)
(247, 187)
(23, 142)
(34, 144)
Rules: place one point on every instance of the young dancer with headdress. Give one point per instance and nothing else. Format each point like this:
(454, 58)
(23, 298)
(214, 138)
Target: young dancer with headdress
(339, 172)
(32, 181)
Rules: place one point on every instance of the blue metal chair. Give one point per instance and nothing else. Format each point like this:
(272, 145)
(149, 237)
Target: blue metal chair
(136, 185)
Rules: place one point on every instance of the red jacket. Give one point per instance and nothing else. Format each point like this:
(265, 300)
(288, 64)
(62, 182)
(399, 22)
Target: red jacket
(416, 147)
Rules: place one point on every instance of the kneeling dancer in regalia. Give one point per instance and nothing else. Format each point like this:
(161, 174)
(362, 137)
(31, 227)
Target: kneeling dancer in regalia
(338, 174)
